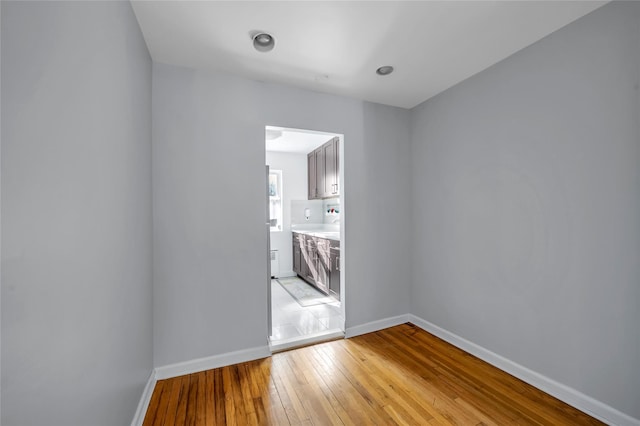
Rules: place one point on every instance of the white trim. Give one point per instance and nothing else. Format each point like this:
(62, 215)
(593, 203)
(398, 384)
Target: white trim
(577, 399)
(211, 362)
(573, 397)
(143, 405)
(372, 326)
(296, 342)
(287, 274)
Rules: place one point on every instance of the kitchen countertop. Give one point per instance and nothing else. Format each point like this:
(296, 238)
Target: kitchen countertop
(330, 235)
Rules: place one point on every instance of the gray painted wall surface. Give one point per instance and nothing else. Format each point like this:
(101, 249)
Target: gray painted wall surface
(526, 207)
(76, 213)
(0, 212)
(208, 207)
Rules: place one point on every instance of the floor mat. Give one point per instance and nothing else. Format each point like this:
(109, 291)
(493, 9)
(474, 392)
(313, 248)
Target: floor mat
(303, 292)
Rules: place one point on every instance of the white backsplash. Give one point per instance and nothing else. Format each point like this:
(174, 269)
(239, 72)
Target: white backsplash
(298, 208)
(332, 218)
(320, 217)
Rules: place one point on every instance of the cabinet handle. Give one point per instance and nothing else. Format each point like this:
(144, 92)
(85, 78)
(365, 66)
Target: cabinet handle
(337, 263)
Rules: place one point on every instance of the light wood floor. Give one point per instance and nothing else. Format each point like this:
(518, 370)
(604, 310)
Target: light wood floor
(401, 375)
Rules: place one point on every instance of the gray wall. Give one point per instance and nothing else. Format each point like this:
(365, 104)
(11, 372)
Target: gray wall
(208, 207)
(0, 211)
(526, 207)
(76, 213)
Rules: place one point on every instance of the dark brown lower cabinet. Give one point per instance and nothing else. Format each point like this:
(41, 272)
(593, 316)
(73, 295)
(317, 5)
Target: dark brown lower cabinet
(314, 260)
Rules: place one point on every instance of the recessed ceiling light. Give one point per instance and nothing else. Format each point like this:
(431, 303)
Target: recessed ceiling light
(272, 134)
(263, 42)
(385, 70)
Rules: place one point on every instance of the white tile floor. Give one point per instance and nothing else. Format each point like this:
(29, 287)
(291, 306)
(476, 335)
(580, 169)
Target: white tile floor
(291, 321)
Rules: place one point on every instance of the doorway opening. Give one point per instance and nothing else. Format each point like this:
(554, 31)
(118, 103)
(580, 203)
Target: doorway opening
(305, 228)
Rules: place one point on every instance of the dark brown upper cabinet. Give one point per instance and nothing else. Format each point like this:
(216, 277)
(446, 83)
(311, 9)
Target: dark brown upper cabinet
(324, 171)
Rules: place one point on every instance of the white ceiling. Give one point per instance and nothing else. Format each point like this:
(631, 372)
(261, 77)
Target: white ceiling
(297, 141)
(336, 46)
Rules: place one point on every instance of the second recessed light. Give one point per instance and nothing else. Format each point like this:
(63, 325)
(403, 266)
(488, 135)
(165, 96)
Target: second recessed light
(385, 70)
(263, 42)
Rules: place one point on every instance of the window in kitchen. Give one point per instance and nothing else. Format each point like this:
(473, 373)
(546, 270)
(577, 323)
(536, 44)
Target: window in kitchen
(275, 200)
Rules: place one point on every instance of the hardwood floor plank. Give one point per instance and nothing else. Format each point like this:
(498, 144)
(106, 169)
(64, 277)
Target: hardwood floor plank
(174, 398)
(484, 420)
(245, 392)
(234, 405)
(272, 399)
(181, 411)
(192, 402)
(154, 415)
(220, 414)
(210, 402)
(201, 408)
(256, 391)
(257, 386)
(400, 375)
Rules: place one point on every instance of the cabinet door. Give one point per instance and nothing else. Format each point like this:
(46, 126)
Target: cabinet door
(311, 176)
(306, 256)
(334, 271)
(336, 152)
(322, 265)
(329, 163)
(319, 155)
(329, 183)
(331, 168)
(297, 253)
(309, 260)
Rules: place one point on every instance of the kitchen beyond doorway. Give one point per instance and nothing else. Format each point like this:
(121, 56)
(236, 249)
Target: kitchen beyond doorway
(305, 212)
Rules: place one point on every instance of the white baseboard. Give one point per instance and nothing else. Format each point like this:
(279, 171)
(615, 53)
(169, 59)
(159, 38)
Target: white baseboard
(143, 405)
(310, 339)
(582, 402)
(370, 327)
(585, 403)
(208, 363)
(286, 274)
